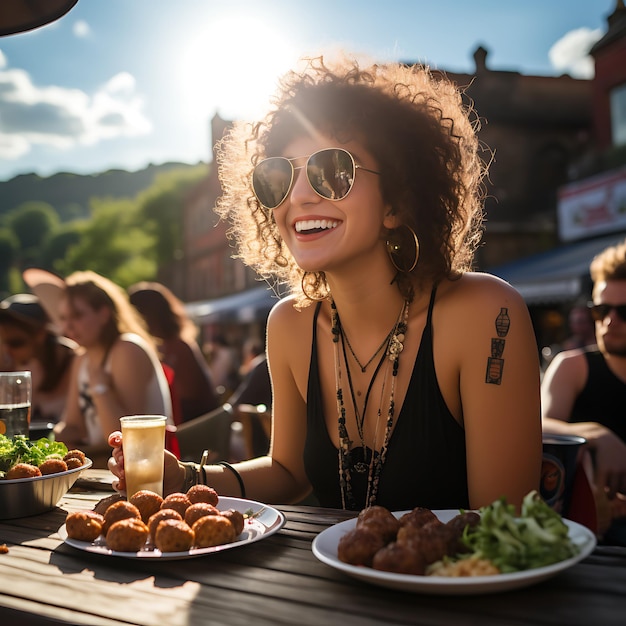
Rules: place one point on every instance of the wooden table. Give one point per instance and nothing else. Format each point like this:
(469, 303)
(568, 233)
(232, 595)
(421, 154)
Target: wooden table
(275, 581)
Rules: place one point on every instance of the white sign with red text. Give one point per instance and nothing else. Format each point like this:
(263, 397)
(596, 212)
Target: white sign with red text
(593, 206)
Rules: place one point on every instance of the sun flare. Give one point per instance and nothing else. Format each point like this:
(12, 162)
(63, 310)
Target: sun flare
(232, 67)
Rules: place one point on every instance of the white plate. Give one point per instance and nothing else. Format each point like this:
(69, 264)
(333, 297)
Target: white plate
(268, 522)
(325, 549)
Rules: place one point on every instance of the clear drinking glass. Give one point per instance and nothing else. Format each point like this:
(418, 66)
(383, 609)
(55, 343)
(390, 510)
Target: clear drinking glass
(15, 399)
(144, 444)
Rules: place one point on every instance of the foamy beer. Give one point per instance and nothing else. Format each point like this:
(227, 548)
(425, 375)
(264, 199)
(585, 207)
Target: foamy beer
(15, 399)
(144, 443)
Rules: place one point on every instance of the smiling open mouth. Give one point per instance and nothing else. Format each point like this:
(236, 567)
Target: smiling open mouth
(315, 226)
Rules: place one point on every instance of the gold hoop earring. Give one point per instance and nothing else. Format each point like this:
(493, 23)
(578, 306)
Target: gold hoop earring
(312, 280)
(395, 247)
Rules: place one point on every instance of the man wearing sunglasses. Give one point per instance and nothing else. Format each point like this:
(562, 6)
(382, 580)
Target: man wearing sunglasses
(584, 391)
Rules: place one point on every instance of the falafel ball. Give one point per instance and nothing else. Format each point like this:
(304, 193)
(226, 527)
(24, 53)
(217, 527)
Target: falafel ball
(148, 503)
(177, 501)
(213, 530)
(198, 510)
(75, 454)
(386, 527)
(359, 545)
(22, 470)
(173, 535)
(202, 493)
(127, 535)
(73, 463)
(119, 511)
(236, 519)
(400, 559)
(371, 512)
(432, 540)
(84, 525)
(52, 466)
(159, 516)
(418, 517)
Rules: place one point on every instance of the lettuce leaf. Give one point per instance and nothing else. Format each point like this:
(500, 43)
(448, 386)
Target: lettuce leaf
(538, 537)
(20, 449)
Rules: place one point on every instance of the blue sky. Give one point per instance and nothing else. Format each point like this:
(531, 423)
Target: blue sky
(124, 83)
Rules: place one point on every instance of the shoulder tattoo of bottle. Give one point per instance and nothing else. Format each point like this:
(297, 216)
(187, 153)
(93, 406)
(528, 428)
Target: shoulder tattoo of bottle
(495, 362)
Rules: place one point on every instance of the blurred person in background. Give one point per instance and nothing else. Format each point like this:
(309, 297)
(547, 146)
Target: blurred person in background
(176, 339)
(584, 390)
(30, 342)
(117, 371)
(582, 328)
(582, 333)
(223, 364)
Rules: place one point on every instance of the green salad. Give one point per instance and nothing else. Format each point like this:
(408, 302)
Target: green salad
(538, 537)
(20, 449)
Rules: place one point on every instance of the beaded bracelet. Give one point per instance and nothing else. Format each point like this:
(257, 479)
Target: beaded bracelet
(242, 487)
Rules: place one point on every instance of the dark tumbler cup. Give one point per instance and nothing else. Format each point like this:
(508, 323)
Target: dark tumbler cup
(558, 469)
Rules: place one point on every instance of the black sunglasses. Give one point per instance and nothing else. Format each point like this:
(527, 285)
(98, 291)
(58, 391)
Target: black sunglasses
(330, 173)
(600, 311)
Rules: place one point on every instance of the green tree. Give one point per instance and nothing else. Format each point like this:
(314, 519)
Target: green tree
(58, 246)
(161, 208)
(8, 254)
(113, 243)
(124, 239)
(33, 223)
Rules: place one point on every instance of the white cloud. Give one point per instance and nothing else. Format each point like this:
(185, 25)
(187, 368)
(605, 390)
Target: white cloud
(122, 84)
(81, 29)
(62, 118)
(570, 54)
(13, 146)
(3, 60)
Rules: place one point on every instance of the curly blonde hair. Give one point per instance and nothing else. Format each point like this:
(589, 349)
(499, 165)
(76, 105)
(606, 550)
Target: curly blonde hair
(417, 127)
(610, 264)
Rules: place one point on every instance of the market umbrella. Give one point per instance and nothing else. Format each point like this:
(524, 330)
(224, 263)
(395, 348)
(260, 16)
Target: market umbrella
(17, 16)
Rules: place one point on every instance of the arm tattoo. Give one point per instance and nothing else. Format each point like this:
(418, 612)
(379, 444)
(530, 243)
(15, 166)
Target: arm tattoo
(495, 363)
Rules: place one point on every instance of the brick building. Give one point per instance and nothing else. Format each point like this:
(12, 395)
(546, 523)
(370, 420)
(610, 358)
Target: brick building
(590, 208)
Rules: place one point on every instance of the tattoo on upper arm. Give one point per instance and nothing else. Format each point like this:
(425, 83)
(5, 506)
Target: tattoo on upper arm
(495, 363)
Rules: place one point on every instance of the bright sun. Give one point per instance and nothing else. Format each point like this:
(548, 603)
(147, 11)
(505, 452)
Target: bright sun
(231, 68)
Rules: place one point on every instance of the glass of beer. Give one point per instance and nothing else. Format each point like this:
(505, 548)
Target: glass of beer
(15, 399)
(143, 443)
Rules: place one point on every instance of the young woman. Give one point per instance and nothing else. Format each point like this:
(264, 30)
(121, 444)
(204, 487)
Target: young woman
(117, 372)
(30, 342)
(400, 377)
(176, 335)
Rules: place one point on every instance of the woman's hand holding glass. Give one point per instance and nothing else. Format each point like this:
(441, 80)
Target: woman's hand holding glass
(173, 472)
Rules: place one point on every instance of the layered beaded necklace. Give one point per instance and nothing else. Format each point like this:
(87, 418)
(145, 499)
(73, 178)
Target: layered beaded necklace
(394, 346)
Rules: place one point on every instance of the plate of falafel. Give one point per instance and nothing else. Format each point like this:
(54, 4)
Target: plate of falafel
(424, 551)
(177, 526)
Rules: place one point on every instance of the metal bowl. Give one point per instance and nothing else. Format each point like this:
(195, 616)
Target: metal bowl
(22, 497)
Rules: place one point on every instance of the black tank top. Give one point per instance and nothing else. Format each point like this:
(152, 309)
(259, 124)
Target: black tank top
(603, 398)
(426, 461)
